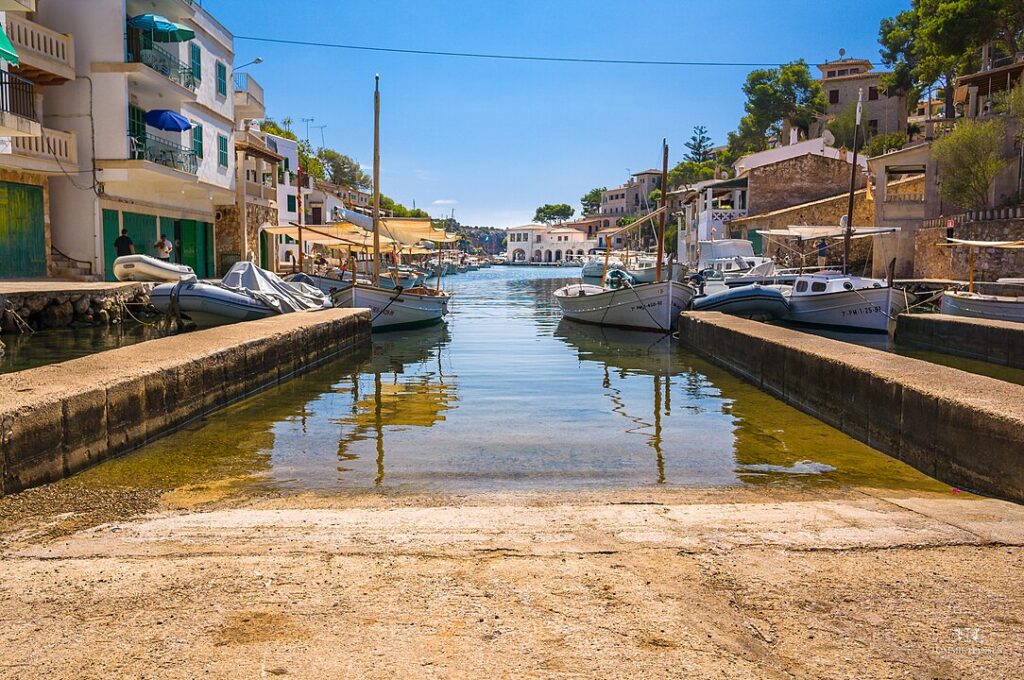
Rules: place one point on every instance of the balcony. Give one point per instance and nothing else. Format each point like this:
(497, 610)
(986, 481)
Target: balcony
(18, 115)
(167, 65)
(54, 151)
(47, 57)
(260, 191)
(248, 97)
(164, 152)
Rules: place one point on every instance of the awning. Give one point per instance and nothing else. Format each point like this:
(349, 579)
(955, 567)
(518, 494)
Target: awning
(734, 183)
(810, 233)
(170, 121)
(412, 230)
(7, 52)
(345, 235)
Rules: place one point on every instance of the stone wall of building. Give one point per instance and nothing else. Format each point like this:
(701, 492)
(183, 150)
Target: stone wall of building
(934, 261)
(256, 217)
(797, 180)
(227, 237)
(36, 179)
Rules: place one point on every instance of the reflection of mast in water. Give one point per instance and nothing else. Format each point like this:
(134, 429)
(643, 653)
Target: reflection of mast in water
(656, 437)
(377, 409)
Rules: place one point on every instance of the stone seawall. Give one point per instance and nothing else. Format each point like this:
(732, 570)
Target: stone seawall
(998, 342)
(55, 304)
(58, 419)
(964, 429)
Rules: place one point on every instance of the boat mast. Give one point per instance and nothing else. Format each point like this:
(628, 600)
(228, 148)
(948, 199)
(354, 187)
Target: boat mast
(661, 220)
(848, 232)
(376, 180)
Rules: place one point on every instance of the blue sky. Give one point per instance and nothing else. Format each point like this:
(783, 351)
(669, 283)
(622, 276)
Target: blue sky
(496, 139)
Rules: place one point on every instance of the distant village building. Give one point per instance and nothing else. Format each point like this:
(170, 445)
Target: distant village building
(841, 80)
(631, 199)
(543, 243)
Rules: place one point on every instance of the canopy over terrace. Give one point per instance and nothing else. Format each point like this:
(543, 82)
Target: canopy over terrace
(343, 234)
(813, 233)
(411, 231)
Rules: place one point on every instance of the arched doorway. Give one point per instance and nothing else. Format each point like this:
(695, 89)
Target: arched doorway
(558, 256)
(547, 256)
(519, 255)
(537, 257)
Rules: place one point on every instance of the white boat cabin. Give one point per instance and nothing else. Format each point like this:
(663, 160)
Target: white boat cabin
(729, 255)
(818, 284)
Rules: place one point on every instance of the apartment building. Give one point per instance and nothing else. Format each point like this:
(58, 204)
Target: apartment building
(843, 78)
(631, 198)
(35, 61)
(147, 180)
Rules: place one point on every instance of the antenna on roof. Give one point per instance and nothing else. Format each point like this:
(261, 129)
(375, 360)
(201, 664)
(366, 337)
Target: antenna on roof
(842, 52)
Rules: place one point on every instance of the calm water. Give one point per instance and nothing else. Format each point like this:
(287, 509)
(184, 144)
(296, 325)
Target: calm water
(63, 344)
(508, 396)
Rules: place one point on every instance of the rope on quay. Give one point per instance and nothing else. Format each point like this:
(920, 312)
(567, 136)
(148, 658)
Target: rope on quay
(23, 326)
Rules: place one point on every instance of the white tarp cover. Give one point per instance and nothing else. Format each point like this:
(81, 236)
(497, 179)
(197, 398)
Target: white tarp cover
(810, 233)
(983, 244)
(271, 290)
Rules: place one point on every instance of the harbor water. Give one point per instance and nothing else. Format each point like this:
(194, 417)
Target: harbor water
(507, 396)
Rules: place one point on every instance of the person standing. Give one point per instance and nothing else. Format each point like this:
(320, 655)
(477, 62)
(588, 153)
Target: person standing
(123, 244)
(163, 248)
(822, 246)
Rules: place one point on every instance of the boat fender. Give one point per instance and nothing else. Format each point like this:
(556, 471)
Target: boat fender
(188, 278)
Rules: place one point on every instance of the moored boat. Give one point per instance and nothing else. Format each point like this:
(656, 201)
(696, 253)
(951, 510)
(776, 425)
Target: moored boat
(762, 303)
(146, 268)
(840, 300)
(393, 309)
(1000, 307)
(647, 306)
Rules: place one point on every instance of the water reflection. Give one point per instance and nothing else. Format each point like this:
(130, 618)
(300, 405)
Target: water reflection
(508, 396)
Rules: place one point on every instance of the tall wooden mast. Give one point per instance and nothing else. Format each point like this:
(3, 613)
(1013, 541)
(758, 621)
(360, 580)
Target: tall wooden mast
(376, 181)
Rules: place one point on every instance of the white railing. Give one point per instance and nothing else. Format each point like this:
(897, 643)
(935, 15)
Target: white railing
(246, 84)
(914, 197)
(30, 37)
(52, 143)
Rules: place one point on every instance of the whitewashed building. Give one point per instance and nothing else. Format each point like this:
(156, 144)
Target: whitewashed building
(542, 243)
(147, 181)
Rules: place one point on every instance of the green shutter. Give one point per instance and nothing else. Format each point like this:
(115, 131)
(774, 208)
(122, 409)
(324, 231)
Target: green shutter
(222, 150)
(197, 140)
(197, 62)
(137, 131)
(291, 203)
(222, 79)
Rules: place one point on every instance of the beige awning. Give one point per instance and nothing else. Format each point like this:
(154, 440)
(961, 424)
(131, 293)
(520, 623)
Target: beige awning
(411, 230)
(983, 244)
(343, 234)
(808, 233)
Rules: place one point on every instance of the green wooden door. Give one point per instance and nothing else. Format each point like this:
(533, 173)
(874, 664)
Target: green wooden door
(22, 231)
(188, 254)
(111, 230)
(142, 230)
(265, 245)
(211, 251)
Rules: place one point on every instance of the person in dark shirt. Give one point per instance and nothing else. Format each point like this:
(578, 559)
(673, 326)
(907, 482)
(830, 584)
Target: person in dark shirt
(123, 244)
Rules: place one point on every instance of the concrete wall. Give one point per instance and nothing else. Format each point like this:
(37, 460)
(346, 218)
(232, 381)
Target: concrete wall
(932, 260)
(997, 342)
(58, 419)
(964, 429)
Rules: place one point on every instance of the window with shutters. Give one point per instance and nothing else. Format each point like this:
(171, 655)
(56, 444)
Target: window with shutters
(222, 79)
(291, 203)
(872, 93)
(197, 139)
(196, 62)
(222, 151)
(833, 96)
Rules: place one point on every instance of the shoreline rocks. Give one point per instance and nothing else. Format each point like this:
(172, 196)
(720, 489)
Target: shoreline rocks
(62, 309)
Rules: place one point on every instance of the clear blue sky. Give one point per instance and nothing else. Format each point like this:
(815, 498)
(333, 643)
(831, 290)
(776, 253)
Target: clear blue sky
(495, 139)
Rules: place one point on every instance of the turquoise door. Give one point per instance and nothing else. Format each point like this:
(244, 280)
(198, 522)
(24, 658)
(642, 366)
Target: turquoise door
(22, 231)
(111, 230)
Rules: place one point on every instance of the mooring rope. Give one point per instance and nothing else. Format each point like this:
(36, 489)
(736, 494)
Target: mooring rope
(398, 294)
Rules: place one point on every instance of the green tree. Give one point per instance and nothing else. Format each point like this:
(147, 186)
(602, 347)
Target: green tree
(969, 158)
(558, 212)
(342, 170)
(654, 197)
(843, 126)
(880, 144)
(776, 99)
(591, 201)
(689, 172)
(699, 146)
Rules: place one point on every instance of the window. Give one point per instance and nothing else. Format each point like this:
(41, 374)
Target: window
(222, 79)
(872, 93)
(818, 287)
(291, 203)
(833, 96)
(197, 139)
(832, 74)
(873, 126)
(286, 168)
(801, 286)
(196, 61)
(137, 131)
(222, 151)
(843, 71)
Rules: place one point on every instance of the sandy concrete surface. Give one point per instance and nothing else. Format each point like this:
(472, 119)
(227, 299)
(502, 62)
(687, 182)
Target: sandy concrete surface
(730, 583)
(29, 286)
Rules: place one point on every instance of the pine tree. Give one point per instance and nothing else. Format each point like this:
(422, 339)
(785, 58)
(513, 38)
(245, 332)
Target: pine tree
(699, 145)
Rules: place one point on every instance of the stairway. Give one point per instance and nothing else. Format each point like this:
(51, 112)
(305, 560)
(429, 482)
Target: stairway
(66, 268)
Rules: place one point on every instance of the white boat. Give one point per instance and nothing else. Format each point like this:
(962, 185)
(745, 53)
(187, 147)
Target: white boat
(1001, 307)
(731, 256)
(645, 269)
(835, 299)
(146, 268)
(647, 306)
(245, 293)
(391, 310)
(593, 268)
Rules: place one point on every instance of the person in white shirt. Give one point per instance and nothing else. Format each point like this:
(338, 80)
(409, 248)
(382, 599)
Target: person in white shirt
(163, 248)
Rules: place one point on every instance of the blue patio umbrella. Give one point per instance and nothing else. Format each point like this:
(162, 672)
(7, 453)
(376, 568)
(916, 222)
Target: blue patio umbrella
(163, 29)
(162, 119)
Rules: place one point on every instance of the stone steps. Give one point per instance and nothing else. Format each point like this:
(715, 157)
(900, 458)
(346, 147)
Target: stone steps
(66, 268)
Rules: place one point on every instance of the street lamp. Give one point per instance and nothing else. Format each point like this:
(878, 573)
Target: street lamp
(255, 62)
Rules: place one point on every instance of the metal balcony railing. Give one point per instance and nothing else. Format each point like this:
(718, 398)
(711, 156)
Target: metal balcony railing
(165, 63)
(17, 96)
(246, 84)
(164, 152)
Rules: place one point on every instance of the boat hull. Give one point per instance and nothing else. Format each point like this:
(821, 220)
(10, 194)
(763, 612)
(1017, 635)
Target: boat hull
(208, 305)
(144, 268)
(651, 306)
(648, 274)
(750, 302)
(869, 309)
(999, 307)
(390, 310)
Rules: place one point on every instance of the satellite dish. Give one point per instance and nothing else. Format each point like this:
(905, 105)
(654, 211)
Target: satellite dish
(828, 138)
(842, 52)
